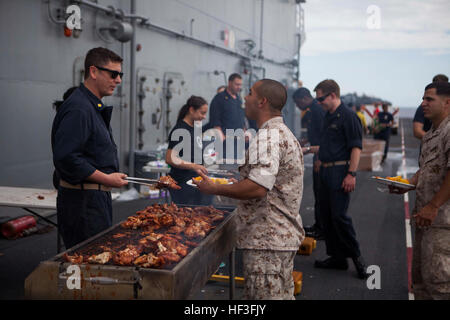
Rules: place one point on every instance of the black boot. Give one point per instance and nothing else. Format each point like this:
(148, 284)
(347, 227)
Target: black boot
(360, 267)
(332, 263)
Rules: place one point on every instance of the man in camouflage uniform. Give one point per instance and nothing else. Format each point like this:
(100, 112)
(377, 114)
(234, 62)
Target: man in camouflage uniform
(270, 228)
(431, 252)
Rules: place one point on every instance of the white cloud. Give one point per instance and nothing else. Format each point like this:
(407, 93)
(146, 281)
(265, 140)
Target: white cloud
(339, 26)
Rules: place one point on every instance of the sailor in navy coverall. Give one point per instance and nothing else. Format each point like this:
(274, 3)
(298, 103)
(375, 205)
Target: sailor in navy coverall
(84, 151)
(339, 151)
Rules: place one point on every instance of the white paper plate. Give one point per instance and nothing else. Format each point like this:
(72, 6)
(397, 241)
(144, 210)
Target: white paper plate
(393, 183)
(190, 183)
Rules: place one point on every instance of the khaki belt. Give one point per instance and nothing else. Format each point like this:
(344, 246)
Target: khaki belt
(336, 163)
(84, 186)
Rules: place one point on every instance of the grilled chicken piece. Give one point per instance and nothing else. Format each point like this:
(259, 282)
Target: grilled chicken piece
(175, 229)
(191, 243)
(119, 235)
(167, 182)
(169, 257)
(194, 231)
(101, 258)
(148, 261)
(76, 258)
(128, 255)
(182, 250)
(166, 220)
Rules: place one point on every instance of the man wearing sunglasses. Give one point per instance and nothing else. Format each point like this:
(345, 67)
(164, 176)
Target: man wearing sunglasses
(339, 152)
(84, 151)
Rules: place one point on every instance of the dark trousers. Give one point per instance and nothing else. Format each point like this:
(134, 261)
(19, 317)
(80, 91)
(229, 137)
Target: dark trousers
(340, 236)
(318, 224)
(384, 135)
(82, 214)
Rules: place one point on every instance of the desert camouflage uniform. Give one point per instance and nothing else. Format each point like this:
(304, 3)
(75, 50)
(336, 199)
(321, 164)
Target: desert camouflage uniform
(271, 227)
(431, 259)
(268, 275)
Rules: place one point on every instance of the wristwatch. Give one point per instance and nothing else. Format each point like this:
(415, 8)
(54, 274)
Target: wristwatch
(308, 149)
(352, 173)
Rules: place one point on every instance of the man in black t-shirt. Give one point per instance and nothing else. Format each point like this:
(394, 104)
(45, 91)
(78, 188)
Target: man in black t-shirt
(386, 120)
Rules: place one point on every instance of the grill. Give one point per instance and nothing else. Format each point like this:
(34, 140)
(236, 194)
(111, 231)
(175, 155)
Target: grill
(54, 278)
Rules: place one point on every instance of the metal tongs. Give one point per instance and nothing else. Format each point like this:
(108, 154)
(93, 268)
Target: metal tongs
(143, 181)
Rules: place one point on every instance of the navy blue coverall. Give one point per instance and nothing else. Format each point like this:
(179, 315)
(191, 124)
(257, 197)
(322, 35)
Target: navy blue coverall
(226, 112)
(82, 142)
(385, 133)
(342, 131)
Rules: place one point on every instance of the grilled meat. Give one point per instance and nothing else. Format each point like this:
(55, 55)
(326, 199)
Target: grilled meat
(167, 182)
(101, 258)
(76, 258)
(128, 255)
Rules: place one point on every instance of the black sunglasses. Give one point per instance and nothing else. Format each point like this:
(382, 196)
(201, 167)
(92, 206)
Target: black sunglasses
(322, 98)
(113, 73)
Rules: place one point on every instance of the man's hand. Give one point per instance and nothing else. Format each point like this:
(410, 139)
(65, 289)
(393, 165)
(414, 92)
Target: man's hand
(206, 185)
(426, 215)
(199, 169)
(397, 190)
(317, 164)
(116, 180)
(349, 183)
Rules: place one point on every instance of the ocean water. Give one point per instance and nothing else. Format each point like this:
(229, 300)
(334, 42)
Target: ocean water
(407, 112)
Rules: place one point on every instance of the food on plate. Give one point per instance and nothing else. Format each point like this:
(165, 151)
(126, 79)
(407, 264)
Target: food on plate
(397, 179)
(215, 180)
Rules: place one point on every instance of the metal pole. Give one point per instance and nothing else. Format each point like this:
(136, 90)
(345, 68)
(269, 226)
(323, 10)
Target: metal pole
(132, 94)
(232, 274)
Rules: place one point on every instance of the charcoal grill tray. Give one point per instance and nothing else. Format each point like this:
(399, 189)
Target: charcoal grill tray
(180, 281)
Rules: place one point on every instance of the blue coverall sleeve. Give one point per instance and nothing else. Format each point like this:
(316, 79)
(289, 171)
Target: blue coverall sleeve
(70, 138)
(215, 113)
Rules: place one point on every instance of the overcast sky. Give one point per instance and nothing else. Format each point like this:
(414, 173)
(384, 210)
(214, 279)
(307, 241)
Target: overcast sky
(386, 48)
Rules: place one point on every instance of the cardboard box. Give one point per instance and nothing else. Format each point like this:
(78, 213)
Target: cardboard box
(371, 161)
(371, 155)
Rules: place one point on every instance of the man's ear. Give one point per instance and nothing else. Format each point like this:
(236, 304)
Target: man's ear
(263, 101)
(93, 72)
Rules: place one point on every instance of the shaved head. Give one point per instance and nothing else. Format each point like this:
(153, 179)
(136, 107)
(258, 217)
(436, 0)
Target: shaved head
(273, 91)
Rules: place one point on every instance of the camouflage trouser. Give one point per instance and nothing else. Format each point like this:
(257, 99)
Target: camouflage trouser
(432, 261)
(268, 274)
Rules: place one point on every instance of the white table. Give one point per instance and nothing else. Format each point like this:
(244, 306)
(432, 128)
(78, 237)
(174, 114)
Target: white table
(31, 198)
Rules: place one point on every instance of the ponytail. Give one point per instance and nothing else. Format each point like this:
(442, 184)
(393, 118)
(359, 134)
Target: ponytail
(195, 102)
(183, 112)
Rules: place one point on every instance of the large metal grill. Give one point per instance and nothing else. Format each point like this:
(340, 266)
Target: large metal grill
(175, 281)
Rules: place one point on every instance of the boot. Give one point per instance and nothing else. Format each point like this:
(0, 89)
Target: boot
(360, 267)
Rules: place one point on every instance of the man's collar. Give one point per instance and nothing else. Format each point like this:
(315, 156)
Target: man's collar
(277, 119)
(96, 102)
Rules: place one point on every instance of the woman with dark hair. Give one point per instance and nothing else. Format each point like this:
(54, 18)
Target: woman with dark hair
(185, 152)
